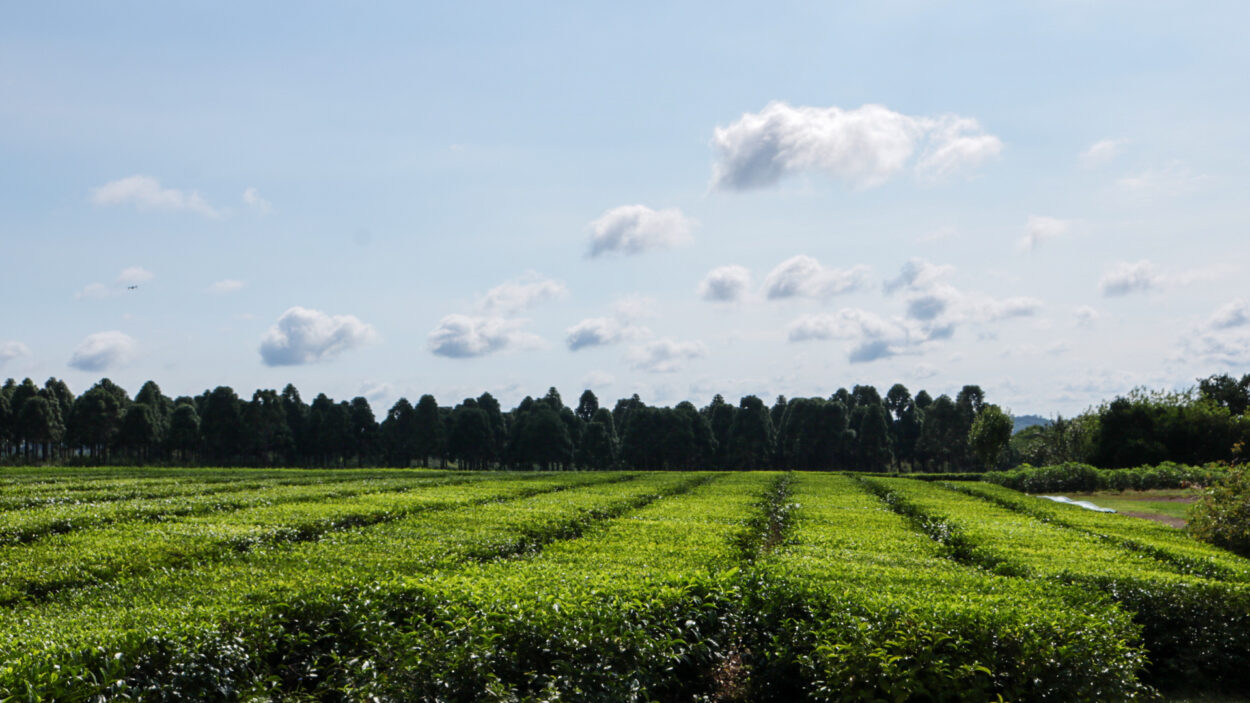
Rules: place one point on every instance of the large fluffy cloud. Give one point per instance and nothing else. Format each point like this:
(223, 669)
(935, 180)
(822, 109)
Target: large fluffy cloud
(665, 355)
(633, 229)
(467, 336)
(146, 193)
(304, 336)
(103, 350)
(511, 297)
(805, 277)
(725, 284)
(864, 147)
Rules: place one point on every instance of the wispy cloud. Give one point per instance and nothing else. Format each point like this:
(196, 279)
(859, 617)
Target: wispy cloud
(511, 297)
(146, 193)
(13, 350)
(1039, 229)
(1101, 152)
(665, 355)
(228, 285)
(253, 199)
(804, 277)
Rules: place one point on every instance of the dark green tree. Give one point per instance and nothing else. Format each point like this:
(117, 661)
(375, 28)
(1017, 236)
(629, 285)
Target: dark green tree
(587, 406)
(225, 435)
(184, 431)
(40, 426)
(752, 440)
(430, 438)
(990, 433)
(140, 433)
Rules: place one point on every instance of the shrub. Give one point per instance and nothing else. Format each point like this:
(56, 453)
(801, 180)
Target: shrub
(1222, 516)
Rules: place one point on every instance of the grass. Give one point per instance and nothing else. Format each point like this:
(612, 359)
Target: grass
(1171, 503)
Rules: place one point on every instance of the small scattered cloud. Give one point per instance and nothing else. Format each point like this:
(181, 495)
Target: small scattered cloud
(13, 350)
(1101, 152)
(1234, 313)
(600, 331)
(725, 284)
(995, 309)
(1039, 229)
(804, 277)
(1085, 316)
(253, 199)
(634, 229)
(520, 294)
(465, 336)
(304, 336)
(1125, 277)
(665, 355)
(103, 350)
(146, 193)
(863, 147)
(1173, 179)
(373, 391)
(225, 286)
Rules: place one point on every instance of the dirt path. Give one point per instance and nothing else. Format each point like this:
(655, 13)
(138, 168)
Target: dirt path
(1178, 523)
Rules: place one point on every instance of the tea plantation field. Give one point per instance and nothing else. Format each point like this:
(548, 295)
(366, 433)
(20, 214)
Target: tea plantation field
(411, 585)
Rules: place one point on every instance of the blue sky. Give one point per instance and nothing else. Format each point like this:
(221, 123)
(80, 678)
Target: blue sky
(672, 199)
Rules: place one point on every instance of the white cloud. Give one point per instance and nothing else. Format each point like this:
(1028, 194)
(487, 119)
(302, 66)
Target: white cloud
(803, 276)
(665, 355)
(134, 275)
(995, 309)
(103, 350)
(1039, 229)
(917, 274)
(228, 285)
(374, 391)
(253, 199)
(1085, 315)
(874, 337)
(1173, 179)
(725, 284)
(522, 293)
(1100, 152)
(146, 193)
(864, 147)
(13, 350)
(304, 336)
(598, 331)
(1125, 277)
(633, 229)
(1234, 313)
(464, 336)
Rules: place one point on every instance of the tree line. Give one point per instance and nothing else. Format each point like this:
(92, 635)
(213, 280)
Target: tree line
(1205, 423)
(856, 429)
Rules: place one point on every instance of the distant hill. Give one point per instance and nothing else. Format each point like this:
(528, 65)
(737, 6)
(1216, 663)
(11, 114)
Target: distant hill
(1025, 421)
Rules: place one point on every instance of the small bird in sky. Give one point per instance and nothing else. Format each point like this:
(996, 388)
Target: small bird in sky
(131, 287)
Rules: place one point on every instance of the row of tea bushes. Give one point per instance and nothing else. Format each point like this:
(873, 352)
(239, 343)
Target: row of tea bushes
(1193, 627)
(1169, 544)
(862, 606)
(227, 629)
